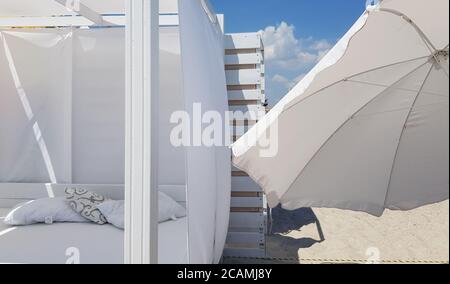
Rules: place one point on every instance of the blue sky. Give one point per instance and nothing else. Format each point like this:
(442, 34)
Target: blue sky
(297, 33)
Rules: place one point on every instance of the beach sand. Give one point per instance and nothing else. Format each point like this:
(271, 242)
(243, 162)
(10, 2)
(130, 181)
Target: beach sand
(337, 236)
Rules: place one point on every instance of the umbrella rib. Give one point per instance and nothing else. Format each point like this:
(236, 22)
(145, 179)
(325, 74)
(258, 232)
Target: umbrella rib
(385, 86)
(403, 132)
(422, 35)
(349, 119)
(401, 89)
(400, 109)
(352, 76)
(416, 27)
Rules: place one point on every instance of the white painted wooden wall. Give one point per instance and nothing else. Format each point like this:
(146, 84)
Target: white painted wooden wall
(244, 64)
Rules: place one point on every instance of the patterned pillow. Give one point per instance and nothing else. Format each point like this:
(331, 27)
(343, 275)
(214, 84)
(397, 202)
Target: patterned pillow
(85, 203)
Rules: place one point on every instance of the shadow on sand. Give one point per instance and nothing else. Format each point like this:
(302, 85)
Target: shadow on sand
(280, 248)
(284, 222)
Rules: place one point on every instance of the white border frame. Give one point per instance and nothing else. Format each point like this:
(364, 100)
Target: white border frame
(142, 87)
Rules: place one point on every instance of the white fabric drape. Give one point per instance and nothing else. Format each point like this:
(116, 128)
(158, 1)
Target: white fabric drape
(368, 128)
(172, 160)
(208, 168)
(35, 92)
(62, 115)
(98, 111)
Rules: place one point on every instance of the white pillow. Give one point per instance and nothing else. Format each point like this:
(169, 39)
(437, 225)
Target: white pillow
(169, 209)
(46, 210)
(114, 212)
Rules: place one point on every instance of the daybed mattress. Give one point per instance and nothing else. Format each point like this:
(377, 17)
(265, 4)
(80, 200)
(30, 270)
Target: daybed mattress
(48, 244)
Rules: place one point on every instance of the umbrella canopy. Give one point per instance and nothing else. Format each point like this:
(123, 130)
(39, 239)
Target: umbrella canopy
(368, 128)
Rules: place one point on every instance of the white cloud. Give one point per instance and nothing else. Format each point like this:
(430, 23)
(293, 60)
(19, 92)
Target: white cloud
(280, 79)
(289, 58)
(284, 50)
(321, 45)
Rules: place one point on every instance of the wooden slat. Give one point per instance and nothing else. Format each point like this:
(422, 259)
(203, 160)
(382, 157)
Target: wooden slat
(242, 102)
(231, 87)
(249, 245)
(241, 51)
(242, 246)
(246, 209)
(240, 67)
(246, 194)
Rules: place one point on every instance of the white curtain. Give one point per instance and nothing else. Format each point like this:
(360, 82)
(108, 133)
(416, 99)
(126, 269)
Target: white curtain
(172, 160)
(61, 111)
(208, 168)
(35, 92)
(98, 106)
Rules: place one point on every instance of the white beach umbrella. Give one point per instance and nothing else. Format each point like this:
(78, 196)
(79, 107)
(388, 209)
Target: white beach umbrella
(368, 128)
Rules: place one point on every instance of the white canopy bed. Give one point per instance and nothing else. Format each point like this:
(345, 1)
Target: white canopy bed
(62, 124)
(42, 243)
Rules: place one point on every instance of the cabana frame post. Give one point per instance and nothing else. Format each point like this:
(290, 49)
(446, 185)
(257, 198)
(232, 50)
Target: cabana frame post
(142, 49)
